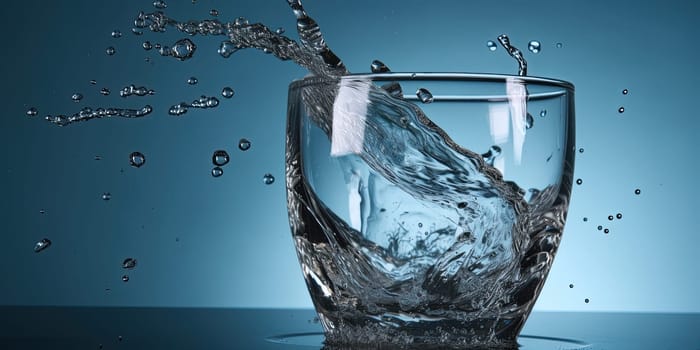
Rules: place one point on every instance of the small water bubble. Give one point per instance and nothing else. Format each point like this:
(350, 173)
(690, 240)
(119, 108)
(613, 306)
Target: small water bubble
(244, 144)
(571, 285)
(192, 80)
(600, 227)
(104, 91)
(178, 109)
(147, 45)
(116, 34)
(220, 157)
(183, 49)
(534, 46)
(120, 337)
(424, 95)
(268, 179)
(227, 92)
(125, 278)
(42, 211)
(637, 191)
(543, 113)
(227, 48)
(420, 224)
(529, 121)
(93, 82)
(586, 300)
(491, 45)
(137, 159)
(136, 31)
(110, 51)
(279, 30)
(606, 231)
(106, 196)
(579, 181)
(378, 66)
(619, 215)
(42, 244)
(559, 45)
(610, 217)
(129, 263)
(585, 219)
(214, 12)
(76, 97)
(32, 111)
(217, 171)
(160, 4)
(621, 109)
(580, 150)
(240, 21)
(625, 91)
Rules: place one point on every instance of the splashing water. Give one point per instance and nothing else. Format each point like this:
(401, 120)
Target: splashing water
(515, 53)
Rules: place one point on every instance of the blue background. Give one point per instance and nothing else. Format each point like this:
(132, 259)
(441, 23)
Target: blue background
(203, 241)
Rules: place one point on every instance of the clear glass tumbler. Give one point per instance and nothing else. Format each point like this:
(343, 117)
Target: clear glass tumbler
(427, 208)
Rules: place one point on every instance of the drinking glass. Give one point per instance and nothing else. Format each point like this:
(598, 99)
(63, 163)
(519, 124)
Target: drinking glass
(426, 208)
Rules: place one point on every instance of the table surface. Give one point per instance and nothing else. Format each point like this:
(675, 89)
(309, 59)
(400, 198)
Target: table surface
(212, 328)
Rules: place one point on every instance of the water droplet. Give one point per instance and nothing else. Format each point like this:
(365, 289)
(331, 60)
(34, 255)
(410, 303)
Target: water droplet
(129, 263)
(192, 81)
(420, 224)
(217, 171)
(227, 92)
(76, 97)
(586, 300)
(227, 48)
(378, 66)
(244, 144)
(183, 49)
(42, 244)
(580, 150)
(160, 4)
(543, 113)
(619, 215)
(579, 181)
(178, 109)
(625, 91)
(125, 278)
(268, 179)
(600, 227)
(610, 217)
(93, 82)
(220, 158)
(529, 121)
(621, 109)
(637, 191)
(32, 111)
(214, 12)
(137, 159)
(110, 51)
(534, 46)
(104, 91)
(424, 95)
(120, 337)
(106, 196)
(559, 45)
(147, 45)
(240, 21)
(491, 45)
(571, 285)
(491, 155)
(279, 30)
(136, 31)
(116, 34)
(585, 219)
(606, 231)
(42, 211)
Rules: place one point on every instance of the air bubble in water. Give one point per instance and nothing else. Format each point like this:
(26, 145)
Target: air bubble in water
(585, 219)
(32, 112)
(147, 45)
(543, 113)
(106, 196)
(192, 80)
(183, 49)
(227, 92)
(534, 46)
(214, 12)
(217, 171)
(621, 109)
(610, 217)
(160, 4)
(579, 181)
(619, 215)
(42, 244)
(244, 144)
(105, 91)
(571, 285)
(137, 159)
(529, 121)
(580, 150)
(125, 278)
(76, 97)
(110, 51)
(606, 231)
(378, 66)
(424, 95)
(600, 227)
(559, 45)
(625, 91)
(268, 179)
(637, 191)
(220, 158)
(116, 34)
(491, 45)
(129, 263)
(586, 300)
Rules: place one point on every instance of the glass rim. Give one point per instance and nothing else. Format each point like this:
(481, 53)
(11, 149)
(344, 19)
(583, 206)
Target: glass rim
(445, 76)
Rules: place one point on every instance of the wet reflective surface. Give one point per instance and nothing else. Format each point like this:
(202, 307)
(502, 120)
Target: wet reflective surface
(210, 328)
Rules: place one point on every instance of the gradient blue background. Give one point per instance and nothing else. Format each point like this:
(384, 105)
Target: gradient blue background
(201, 241)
